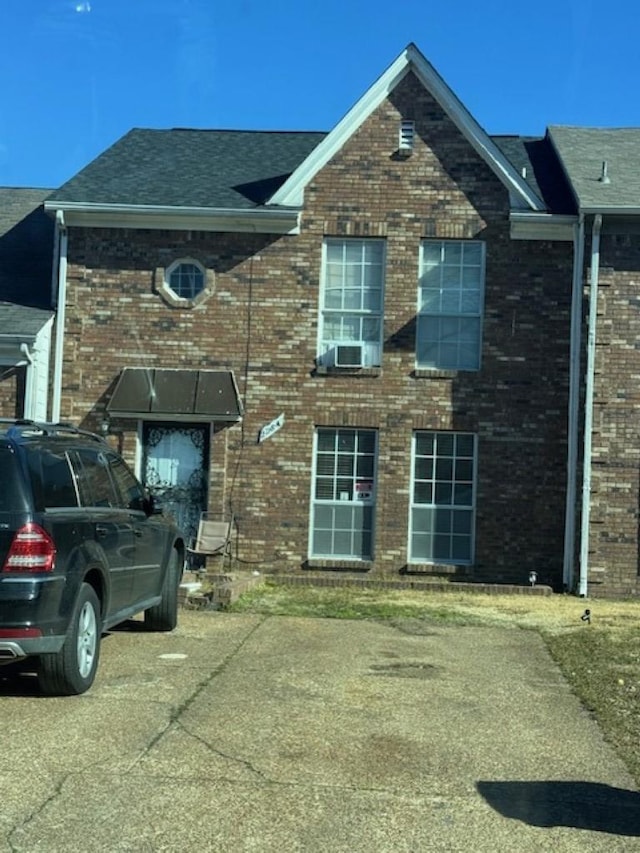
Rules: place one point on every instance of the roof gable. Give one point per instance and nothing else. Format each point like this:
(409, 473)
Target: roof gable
(411, 59)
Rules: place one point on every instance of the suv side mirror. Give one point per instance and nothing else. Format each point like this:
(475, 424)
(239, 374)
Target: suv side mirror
(153, 505)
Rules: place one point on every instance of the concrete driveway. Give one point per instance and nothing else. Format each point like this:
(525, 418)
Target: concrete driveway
(243, 733)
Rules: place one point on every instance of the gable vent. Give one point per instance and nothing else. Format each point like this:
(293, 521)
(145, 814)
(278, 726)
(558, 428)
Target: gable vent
(406, 136)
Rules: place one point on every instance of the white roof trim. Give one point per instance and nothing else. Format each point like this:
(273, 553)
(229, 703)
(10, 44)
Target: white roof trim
(292, 191)
(266, 221)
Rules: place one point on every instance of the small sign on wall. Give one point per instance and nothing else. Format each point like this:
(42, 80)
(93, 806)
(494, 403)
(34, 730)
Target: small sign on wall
(269, 429)
(364, 490)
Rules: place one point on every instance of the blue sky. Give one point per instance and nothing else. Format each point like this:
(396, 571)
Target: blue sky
(78, 74)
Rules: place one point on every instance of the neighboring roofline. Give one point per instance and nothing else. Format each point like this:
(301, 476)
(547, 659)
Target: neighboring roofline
(411, 59)
(612, 210)
(260, 220)
(22, 337)
(542, 226)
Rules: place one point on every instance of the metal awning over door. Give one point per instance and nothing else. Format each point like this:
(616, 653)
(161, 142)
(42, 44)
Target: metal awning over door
(176, 395)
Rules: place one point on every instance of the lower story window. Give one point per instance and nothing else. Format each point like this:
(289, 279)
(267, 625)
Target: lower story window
(343, 502)
(442, 497)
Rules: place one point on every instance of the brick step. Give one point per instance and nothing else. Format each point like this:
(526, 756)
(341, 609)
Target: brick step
(215, 591)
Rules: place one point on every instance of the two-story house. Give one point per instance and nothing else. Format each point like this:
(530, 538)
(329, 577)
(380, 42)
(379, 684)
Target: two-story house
(370, 347)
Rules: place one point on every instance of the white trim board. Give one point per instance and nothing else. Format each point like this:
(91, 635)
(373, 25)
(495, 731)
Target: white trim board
(411, 59)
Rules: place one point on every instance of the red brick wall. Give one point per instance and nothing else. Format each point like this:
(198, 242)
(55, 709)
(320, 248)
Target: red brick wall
(12, 387)
(261, 322)
(615, 485)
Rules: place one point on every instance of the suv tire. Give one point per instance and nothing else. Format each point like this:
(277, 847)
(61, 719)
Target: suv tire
(164, 616)
(73, 669)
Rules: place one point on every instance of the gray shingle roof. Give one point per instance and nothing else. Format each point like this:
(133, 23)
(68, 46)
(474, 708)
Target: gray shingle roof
(583, 150)
(242, 169)
(230, 169)
(22, 321)
(26, 247)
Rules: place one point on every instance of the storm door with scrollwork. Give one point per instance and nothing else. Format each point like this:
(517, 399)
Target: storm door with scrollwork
(175, 468)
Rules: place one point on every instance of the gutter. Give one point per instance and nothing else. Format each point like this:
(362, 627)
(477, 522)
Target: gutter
(588, 406)
(573, 415)
(263, 220)
(61, 302)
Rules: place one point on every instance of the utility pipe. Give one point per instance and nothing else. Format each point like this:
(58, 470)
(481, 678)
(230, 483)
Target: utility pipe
(588, 405)
(27, 404)
(574, 406)
(60, 318)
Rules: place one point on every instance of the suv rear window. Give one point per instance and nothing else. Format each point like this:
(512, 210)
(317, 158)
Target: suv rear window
(11, 492)
(52, 478)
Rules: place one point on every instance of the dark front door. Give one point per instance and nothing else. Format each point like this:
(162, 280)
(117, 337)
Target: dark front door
(175, 468)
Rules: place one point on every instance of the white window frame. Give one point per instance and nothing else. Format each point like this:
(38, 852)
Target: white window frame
(174, 267)
(449, 302)
(447, 509)
(350, 315)
(361, 492)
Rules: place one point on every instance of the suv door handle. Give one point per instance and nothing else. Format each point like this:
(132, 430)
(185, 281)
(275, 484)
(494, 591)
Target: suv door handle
(101, 531)
(137, 531)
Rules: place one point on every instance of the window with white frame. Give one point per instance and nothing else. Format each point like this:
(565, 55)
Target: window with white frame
(186, 278)
(450, 304)
(352, 294)
(343, 500)
(442, 497)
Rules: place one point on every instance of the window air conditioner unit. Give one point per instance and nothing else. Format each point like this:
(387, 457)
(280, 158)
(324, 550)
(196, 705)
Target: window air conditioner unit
(350, 355)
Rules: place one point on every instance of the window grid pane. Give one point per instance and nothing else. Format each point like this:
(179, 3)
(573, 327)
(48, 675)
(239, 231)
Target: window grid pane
(186, 280)
(442, 498)
(352, 298)
(344, 490)
(450, 305)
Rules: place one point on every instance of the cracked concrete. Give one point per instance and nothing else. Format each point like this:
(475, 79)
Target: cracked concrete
(300, 734)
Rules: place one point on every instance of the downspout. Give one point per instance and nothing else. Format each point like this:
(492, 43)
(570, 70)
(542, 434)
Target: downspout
(54, 264)
(574, 407)
(588, 406)
(60, 318)
(28, 389)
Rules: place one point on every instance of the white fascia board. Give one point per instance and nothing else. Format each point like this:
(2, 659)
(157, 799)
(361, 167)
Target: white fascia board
(542, 226)
(631, 210)
(292, 191)
(263, 221)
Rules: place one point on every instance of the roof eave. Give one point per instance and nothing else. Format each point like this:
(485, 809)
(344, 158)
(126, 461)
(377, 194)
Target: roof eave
(411, 59)
(527, 225)
(179, 218)
(610, 210)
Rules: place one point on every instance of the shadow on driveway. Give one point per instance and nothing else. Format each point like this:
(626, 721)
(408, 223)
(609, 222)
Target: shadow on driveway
(582, 805)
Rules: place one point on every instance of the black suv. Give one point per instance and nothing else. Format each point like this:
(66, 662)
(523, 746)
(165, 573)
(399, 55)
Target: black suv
(82, 548)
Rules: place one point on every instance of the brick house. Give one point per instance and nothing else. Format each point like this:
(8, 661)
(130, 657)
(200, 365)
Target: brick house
(369, 347)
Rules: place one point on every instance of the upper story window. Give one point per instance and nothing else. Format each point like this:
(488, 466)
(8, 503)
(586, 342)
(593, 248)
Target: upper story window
(450, 304)
(185, 278)
(351, 301)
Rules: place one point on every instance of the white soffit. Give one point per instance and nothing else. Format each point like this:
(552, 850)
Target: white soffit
(411, 59)
(542, 226)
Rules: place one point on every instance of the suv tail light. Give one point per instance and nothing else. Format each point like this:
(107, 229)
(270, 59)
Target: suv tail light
(32, 550)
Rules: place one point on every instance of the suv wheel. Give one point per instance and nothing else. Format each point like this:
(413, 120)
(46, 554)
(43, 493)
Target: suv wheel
(164, 616)
(73, 669)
